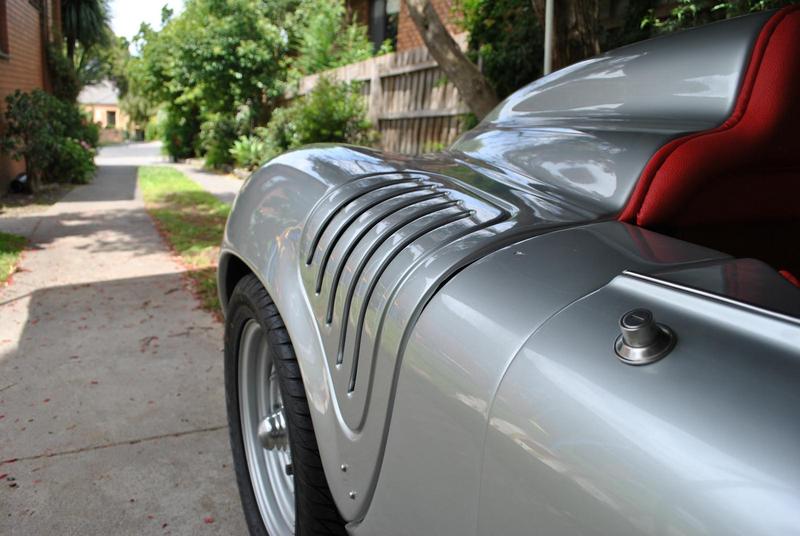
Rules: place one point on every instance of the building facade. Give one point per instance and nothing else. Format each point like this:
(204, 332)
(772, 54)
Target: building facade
(26, 27)
(389, 20)
(101, 101)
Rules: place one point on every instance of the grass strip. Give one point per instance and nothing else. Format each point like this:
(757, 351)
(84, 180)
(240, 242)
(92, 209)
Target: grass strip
(11, 247)
(191, 220)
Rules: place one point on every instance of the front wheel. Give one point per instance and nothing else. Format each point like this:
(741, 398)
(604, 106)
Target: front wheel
(275, 454)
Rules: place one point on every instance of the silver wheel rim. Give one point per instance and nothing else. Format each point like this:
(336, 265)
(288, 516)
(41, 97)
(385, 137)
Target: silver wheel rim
(266, 438)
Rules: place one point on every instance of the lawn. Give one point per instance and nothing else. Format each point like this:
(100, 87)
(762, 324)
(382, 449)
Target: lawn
(10, 251)
(192, 221)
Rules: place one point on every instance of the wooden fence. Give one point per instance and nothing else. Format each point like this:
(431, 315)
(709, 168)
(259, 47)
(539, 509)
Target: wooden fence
(416, 109)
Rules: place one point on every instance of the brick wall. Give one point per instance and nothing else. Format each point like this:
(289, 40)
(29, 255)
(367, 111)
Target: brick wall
(407, 35)
(358, 10)
(22, 68)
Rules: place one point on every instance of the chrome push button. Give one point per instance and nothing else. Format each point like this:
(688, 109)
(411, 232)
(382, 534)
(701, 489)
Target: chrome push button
(643, 340)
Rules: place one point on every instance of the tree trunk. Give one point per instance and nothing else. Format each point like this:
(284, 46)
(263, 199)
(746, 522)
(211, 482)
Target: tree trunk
(34, 178)
(576, 34)
(473, 87)
(71, 51)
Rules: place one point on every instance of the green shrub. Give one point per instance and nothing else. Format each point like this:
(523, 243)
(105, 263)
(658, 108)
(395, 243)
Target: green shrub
(152, 130)
(64, 80)
(53, 137)
(73, 162)
(180, 130)
(31, 134)
(325, 37)
(331, 112)
(217, 135)
(249, 152)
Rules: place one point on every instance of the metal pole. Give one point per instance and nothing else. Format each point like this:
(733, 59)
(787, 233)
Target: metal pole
(548, 36)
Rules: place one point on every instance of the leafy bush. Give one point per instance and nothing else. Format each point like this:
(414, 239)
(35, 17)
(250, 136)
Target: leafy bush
(331, 112)
(28, 134)
(65, 82)
(73, 161)
(217, 135)
(152, 130)
(326, 39)
(249, 151)
(688, 13)
(52, 136)
(180, 130)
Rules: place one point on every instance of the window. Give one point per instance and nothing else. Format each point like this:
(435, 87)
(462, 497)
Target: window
(383, 15)
(111, 119)
(3, 29)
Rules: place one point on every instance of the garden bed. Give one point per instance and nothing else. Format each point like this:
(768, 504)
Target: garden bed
(192, 222)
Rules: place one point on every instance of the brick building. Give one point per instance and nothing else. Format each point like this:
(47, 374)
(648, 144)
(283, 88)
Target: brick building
(389, 19)
(26, 26)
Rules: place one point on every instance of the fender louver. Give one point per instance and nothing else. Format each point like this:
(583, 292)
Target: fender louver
(361, 240)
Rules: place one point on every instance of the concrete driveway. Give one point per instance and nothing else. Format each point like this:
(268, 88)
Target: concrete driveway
(111, 396)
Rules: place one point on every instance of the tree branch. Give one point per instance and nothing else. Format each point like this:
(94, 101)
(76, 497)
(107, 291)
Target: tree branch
(473, 87)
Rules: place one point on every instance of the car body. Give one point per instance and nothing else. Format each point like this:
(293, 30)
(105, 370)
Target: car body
(455, 315)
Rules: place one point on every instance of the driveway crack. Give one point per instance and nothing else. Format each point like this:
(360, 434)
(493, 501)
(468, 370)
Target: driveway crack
(115, 444)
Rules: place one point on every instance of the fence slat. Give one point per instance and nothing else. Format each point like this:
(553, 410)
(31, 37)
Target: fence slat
(410, 102)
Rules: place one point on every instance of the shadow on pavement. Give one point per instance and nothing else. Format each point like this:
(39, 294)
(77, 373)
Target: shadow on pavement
(111, 183)
(118, 382)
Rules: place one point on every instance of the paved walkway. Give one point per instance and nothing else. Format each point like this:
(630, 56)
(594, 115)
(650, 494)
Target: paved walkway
(111, 394)
(223, 187)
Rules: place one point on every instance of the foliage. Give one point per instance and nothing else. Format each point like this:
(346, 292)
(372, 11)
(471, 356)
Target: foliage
(106, 62)
(219, 53)
(325, 38)
(138, 108)
(505, 38)
(84, 23)
(688, 13)
(28, 135)
(249, 152)
(73, 161)
(180, 130)
(65, 82)
(43, 131)
(229, 62)
(192, 221)
(331, 112)
(213, 59)
(11, 247)
(217, 135)
(152, 130)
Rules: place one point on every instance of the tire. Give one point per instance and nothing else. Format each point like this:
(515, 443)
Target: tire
(251, 309)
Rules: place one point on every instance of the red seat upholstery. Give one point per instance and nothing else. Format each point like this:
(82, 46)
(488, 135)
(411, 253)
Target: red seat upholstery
(744, 174)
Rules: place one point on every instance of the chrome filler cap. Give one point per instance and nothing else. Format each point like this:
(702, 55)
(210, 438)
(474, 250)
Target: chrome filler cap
(643, 340)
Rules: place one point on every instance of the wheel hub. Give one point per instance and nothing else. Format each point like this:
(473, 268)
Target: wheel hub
(272, 432)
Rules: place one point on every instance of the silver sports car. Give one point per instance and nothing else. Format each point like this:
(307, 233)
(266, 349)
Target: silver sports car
(581, 318)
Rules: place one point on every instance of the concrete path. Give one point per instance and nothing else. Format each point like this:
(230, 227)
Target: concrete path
(111, 394)
(223, 187)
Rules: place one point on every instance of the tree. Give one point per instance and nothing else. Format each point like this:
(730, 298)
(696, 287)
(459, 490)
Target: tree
(84, 23)
(688, 13)
(472, 85)
(221, 67)
(577, 33)
(323, 38)
(505, 39)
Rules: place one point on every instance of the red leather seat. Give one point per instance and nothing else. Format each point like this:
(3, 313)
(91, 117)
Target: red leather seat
(737, 187)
